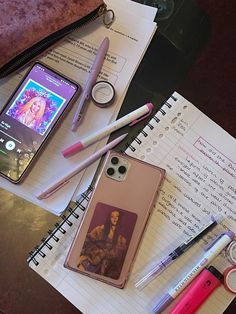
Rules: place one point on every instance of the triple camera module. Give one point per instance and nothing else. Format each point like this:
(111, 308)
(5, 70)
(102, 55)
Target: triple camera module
(117, 168)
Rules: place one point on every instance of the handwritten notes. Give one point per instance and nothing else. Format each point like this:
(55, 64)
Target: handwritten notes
(199, 158)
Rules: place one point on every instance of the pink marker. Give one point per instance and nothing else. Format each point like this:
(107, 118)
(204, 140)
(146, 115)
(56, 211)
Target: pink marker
(200, 289)
(132, 118)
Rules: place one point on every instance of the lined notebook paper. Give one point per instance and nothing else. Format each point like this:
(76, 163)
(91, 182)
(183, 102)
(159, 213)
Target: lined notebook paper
(200, 161)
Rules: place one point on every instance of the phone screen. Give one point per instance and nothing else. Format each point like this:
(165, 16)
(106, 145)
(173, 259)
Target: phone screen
(29, 117)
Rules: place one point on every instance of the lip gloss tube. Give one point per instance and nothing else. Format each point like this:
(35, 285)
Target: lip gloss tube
(200, 289)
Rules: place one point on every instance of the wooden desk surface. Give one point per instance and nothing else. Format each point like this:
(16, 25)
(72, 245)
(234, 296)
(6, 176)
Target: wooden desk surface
(210, 85)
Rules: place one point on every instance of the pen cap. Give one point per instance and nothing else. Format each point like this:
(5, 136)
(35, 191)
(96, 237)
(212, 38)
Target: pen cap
(207, 281)
(215, 272)
(162, 304)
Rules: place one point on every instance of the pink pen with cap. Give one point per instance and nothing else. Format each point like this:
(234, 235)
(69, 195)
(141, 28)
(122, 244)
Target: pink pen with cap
(131, 118)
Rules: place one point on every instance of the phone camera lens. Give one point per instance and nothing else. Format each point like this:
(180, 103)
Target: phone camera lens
(114, 160)
(122, 169)
(110, 171)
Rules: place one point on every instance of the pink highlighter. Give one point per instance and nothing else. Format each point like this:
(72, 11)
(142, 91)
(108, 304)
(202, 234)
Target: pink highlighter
(207, 281)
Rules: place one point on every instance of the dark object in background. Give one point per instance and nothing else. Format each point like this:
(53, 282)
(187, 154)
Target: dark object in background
(170, 54)
(176, 44)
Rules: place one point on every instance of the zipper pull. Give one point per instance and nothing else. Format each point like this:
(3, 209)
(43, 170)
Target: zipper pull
(108, 15)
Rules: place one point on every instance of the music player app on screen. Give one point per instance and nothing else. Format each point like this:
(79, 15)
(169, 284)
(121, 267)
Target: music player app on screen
(29, 116)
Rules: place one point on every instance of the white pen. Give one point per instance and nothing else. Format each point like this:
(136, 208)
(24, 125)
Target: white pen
(96, 68)
(132, 117)
(52, 188)
(212, 251)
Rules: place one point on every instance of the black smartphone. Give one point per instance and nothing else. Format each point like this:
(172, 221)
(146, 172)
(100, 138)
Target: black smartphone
(37, 105)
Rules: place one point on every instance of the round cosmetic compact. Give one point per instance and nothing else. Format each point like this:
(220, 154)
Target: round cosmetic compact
(103, 94)
(231, 252)
(230, 279)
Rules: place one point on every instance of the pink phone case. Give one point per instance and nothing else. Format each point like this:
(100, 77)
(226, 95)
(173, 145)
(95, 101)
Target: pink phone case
(108, 237)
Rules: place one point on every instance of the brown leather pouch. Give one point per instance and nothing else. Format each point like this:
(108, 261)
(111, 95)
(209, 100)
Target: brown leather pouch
(28, 27)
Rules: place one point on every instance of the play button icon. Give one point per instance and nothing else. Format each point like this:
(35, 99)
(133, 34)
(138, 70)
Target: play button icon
(10, 145)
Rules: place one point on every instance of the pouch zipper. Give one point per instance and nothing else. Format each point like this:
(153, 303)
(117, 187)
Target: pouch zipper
(28, 54)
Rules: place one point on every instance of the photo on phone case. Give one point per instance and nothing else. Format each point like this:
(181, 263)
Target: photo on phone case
(107, 241)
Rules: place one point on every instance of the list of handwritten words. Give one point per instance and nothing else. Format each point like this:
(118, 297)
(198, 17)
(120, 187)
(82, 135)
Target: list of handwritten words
(217, 157)
(194, 188)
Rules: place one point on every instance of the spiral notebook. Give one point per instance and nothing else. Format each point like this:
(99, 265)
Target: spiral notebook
(199, 157)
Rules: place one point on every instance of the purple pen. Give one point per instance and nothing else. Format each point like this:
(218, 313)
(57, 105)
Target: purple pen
(167, 260)
(96, 68)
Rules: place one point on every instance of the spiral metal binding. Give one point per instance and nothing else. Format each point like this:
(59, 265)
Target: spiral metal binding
(63, 231)
(73, 206)
(67, 221)
(150, 125)
(168, 105)
(156, 119)
(48, 245)
(173, 97)
(162, 111)
(144, 133)
(137, 140)
(42, 254)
